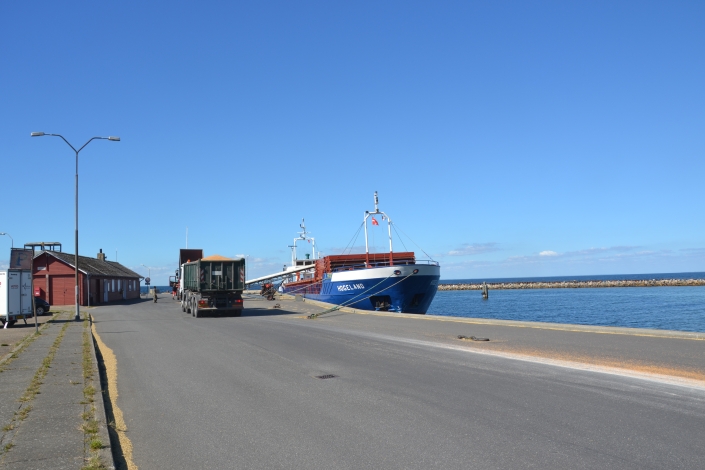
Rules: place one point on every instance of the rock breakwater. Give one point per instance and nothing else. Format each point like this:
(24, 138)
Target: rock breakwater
(576, 284)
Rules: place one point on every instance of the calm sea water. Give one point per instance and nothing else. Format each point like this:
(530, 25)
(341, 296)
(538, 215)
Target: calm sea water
(145, 289)
(667, 308)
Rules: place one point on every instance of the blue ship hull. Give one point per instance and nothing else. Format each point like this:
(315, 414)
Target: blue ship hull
(403, 289)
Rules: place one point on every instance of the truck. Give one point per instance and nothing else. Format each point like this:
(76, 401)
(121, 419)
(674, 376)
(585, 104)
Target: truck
(16, 298)
(212, 285)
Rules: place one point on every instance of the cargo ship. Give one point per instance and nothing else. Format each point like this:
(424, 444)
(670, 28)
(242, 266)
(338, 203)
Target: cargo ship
(393, 282)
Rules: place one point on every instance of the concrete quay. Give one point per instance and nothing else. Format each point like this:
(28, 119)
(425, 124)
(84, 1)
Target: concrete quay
(358, 389)
(669, 356)
(396, 391)
(576, 284)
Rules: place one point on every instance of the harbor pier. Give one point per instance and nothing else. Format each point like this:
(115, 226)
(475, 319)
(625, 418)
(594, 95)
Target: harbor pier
(574, 284)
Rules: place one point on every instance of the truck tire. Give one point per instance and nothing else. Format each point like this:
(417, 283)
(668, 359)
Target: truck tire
(236, 313)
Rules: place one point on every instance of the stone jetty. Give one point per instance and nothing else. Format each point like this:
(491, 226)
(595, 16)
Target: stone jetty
(576, 284)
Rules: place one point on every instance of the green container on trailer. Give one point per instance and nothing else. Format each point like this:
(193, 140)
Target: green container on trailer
(215, 275)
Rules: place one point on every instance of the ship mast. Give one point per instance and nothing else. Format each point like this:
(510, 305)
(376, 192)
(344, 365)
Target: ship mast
(302, 236)
(389, 230)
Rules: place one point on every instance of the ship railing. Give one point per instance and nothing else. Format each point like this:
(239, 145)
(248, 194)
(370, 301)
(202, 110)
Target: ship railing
(380, 264)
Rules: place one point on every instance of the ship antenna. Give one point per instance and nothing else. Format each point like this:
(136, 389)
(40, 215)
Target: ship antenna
(376, 202)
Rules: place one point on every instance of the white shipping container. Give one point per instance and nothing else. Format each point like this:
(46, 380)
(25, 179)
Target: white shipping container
(16, 295)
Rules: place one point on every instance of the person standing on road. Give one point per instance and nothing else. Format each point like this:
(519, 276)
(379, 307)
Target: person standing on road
(155, 295)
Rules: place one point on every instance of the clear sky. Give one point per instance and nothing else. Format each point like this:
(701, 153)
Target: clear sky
(505, 138)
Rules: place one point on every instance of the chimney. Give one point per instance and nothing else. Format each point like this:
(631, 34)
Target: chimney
(101, 255)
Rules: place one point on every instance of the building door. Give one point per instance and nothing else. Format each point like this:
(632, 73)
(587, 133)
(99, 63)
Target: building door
(62, 290)
(95, 291)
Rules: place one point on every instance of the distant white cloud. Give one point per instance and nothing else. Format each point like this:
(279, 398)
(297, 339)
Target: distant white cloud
(693, 251)
(548, 253)
(467, 249)
(584, 255)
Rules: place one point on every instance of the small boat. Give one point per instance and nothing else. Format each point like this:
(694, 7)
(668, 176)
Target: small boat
(393, 282)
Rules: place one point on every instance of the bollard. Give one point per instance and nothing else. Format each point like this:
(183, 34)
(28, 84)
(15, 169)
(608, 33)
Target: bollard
(485, 291)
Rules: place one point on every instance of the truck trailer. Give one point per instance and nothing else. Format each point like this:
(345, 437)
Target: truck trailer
(16, 299)
(212, 285)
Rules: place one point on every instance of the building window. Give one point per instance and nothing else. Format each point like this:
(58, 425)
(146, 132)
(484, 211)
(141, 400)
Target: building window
(114, 287)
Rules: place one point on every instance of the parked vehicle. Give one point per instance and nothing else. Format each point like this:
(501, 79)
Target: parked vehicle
(15, 295)
(213, 285)
(41, 306)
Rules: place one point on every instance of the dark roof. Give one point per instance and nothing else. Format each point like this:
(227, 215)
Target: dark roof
(93, 266)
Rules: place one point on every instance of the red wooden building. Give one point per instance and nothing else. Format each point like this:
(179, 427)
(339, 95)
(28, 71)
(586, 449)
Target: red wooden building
(99, 280)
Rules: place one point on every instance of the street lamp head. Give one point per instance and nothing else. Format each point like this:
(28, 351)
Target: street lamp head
(114, 138)
(37, 134)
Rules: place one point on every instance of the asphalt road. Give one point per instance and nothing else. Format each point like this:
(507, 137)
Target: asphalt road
(243, 393)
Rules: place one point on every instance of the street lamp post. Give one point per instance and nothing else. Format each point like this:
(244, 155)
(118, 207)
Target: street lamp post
(12, 240)
(113, 138)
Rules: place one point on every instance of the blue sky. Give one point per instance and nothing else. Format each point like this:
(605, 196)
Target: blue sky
(505, 138)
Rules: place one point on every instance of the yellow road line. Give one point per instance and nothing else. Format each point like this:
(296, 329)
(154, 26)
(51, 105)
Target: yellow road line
(110, 363)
